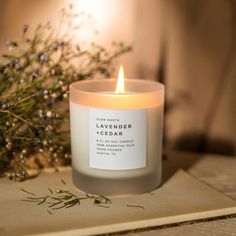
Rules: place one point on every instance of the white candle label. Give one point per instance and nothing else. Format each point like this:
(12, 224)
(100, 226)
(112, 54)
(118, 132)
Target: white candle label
(117, 139)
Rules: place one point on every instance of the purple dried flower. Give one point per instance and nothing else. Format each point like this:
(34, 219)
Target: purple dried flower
(25, 28)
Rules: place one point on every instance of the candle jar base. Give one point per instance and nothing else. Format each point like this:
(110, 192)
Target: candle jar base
(116, 186)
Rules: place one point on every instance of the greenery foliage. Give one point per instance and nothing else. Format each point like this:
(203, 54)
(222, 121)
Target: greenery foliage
(34, 77)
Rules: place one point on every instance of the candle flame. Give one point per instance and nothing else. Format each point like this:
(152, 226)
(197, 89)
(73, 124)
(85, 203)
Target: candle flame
(120, 86)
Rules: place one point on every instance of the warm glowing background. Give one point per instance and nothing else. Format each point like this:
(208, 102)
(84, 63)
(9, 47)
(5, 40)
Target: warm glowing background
(188, 44)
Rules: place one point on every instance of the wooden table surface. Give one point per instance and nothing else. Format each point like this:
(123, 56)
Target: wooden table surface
(218, 172)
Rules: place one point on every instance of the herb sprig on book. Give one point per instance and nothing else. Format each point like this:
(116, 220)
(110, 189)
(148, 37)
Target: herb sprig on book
(63, 199)
(58, 199)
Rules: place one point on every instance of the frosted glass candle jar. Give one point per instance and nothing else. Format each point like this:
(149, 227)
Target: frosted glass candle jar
(116, 139)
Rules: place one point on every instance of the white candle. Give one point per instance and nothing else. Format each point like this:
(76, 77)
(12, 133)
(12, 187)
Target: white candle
(116, 138)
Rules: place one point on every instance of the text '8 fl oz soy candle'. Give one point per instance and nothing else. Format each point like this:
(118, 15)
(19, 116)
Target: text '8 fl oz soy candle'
(116, 135)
